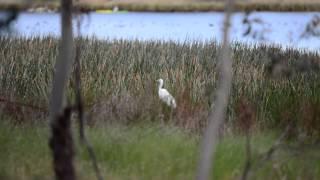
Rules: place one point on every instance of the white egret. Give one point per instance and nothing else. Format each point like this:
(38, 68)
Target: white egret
(165, 96)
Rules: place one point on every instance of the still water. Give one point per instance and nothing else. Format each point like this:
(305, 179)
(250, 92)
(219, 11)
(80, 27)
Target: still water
(283, 28)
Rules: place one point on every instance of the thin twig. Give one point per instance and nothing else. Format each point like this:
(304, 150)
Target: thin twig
(23, 104)
(247, 166)
(77, 74)
(275, 145)
(79, 107)
(217, 114)
(267, 155)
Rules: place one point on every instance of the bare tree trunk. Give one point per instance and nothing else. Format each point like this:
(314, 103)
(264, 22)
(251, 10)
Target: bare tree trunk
(217, 114)
(61, 142)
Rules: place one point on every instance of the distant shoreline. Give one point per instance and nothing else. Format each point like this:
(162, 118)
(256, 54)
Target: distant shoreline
(162, 7)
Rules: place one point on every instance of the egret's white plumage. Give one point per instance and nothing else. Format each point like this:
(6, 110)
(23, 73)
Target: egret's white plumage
(165, 96)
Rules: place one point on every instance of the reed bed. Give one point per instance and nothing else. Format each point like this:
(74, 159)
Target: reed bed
(203, 6)
(156, 6)
(119, 82)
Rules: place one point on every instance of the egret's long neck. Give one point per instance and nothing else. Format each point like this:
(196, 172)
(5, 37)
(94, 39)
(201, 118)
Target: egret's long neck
(160, 84)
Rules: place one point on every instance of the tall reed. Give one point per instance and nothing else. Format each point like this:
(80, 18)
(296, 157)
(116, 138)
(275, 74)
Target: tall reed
(118, 79)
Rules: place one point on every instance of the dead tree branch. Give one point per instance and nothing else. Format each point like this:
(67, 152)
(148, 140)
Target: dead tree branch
(267, 155)
(248, 163)
(22, 104)
(217, 114)
(80, 109)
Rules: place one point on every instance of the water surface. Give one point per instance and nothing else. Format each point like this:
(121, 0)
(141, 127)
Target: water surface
(284, 28)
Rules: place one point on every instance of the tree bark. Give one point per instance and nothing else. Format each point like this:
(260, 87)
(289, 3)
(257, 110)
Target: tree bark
(61, 142)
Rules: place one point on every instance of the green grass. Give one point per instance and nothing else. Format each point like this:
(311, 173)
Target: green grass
(149, 151)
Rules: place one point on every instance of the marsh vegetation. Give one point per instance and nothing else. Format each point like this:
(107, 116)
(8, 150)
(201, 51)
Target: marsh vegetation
(119, 80)
(169, 6)
(130, 127)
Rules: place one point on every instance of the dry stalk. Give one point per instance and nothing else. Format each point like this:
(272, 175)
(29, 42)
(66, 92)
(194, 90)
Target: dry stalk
(218, 109)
